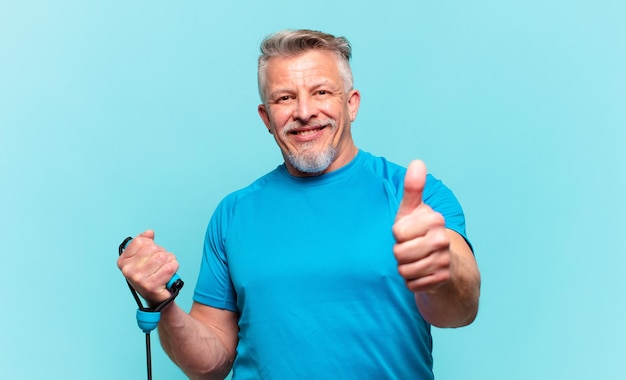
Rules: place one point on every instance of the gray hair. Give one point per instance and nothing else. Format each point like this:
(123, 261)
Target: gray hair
(293, 42)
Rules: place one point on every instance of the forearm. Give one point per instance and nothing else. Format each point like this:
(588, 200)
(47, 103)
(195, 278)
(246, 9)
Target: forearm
(455, 303)
(193, 345)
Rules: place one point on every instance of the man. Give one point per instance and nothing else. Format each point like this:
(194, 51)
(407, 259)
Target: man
(335, 264)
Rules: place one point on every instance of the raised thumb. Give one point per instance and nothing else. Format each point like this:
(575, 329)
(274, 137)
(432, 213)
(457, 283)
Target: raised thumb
(414, 181)
(147, 234)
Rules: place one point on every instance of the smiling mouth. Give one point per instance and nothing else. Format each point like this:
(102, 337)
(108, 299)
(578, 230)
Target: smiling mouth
(307, 131)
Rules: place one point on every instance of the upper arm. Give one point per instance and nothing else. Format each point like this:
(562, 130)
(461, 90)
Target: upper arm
(459, 245)
(464, 257)
(222, 322)
(465, 268)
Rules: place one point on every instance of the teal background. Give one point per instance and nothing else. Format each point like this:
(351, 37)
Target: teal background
(117, 116)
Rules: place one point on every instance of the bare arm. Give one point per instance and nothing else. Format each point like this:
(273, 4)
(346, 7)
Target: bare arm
(455, 302)
(436, 263)
(203, 342)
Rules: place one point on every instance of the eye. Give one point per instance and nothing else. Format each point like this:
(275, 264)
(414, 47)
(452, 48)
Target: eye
(322, 92)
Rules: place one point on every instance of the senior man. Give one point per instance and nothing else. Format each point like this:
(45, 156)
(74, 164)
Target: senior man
(334, 264)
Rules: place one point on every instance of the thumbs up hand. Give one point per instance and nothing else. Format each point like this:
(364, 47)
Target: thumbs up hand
(148, 267)
(422, 247)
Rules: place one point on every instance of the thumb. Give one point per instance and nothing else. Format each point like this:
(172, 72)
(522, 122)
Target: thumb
(147, 234)
(414, 181)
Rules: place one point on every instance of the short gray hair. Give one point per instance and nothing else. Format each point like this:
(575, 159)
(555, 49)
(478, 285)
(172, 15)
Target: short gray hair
(293, 42)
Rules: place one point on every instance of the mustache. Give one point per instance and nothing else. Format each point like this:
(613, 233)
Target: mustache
(313, 123)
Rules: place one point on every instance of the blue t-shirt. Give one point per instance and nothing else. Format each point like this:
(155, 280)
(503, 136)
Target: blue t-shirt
(307, 263)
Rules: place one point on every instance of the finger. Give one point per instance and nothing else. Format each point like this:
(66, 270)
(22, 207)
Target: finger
(133, 246)
(147, 234)
(145, 238)
(414, 181)
(411, 250)
(431, 271)
(418, 248)
(428, 283)
(158, 265)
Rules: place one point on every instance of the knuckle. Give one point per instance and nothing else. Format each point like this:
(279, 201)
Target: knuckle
(159, 257)
(135, 278)
(415, 285)
(440, 239)
(397, 252)
(397, 231)
(171, 266)
(436, 219)
(126, 267)
(120, 264)
(405, 272)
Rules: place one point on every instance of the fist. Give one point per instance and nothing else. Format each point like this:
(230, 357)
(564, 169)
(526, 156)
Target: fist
(148, 267)
(422, 247)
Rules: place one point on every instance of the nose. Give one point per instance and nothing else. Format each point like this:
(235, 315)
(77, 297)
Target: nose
(305, 108)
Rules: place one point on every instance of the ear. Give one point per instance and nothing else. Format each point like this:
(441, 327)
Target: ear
(354, 101)
(262, 109)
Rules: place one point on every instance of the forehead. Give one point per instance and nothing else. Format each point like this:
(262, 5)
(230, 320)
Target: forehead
(313, 65)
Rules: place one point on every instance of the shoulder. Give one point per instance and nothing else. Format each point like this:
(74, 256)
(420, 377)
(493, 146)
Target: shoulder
(384, 169)
(436, 194)
(258, 186)
(229, 205)
(394, 173)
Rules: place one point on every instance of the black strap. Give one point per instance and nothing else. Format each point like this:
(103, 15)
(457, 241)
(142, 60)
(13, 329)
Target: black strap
(174, 290)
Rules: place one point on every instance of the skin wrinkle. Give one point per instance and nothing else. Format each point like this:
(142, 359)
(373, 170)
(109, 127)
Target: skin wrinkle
(307, 90)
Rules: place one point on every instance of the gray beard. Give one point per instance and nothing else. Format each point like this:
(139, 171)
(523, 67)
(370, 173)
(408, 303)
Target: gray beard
(312, 162)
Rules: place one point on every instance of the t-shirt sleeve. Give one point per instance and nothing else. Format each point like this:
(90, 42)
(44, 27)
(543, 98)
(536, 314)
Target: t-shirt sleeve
(214, 287)
(441, 199)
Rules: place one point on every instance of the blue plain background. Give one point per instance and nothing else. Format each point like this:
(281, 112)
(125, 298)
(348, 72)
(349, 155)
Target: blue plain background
(118, 116)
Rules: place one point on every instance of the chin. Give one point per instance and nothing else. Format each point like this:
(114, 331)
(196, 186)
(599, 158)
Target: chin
(313, 162)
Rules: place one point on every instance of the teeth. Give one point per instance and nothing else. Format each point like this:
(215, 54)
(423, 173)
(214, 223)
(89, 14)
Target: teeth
(307, 132)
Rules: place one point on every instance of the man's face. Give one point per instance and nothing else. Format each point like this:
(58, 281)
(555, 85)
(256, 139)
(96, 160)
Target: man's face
(309, 112)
